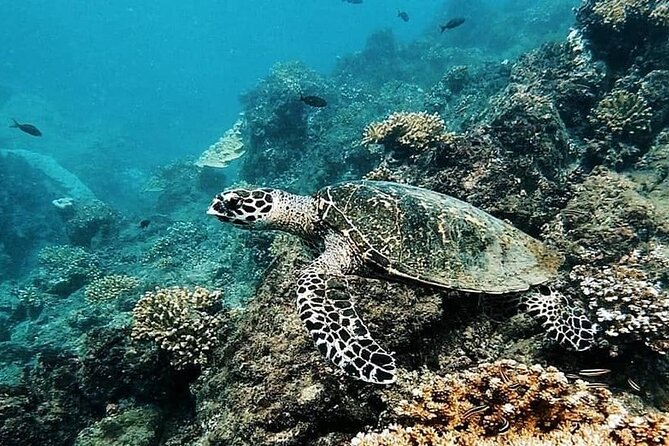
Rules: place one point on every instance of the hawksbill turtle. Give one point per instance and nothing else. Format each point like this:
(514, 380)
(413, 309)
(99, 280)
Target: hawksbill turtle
(403, 233)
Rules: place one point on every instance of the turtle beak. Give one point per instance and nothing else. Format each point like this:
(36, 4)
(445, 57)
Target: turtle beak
(214, 208)
(217, 208)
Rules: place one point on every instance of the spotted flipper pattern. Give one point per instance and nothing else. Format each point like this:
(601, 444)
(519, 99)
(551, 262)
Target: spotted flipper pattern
(563, 321)
(325, 306)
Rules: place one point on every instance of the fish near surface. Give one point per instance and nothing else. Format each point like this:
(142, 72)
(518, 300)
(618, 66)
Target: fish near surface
(314, 101)
(403, 15)
(26, 128)
(453, 23)
(353, 2)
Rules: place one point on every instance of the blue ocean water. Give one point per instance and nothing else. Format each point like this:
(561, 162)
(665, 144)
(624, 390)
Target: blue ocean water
(169, 73)
(530, 110)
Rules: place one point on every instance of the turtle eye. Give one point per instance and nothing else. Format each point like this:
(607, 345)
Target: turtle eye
(233, 202)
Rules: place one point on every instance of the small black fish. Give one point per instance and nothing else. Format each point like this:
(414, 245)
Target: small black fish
(403, 15)
(453, 23)
(313, 101)
(27, 128)
(354, 2)
(144, 224)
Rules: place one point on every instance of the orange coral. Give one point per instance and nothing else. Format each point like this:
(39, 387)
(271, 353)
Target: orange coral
(510, 403)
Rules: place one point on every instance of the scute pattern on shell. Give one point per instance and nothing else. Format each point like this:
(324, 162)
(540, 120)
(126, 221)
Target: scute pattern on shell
(420, 234)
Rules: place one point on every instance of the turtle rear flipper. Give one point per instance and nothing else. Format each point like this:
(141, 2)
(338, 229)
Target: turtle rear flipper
(326, 308)
(563, 321)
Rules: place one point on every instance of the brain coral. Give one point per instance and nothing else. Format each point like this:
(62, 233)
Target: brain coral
(182, 322)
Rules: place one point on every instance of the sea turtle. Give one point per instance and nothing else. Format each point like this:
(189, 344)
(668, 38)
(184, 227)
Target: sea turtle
(397, 232)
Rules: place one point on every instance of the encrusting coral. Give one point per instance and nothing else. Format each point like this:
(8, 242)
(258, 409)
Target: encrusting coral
(184, 323)
(623, 123)
(227, 149)
(606, 219)
(110, 287)
(510, 403)
(618, 12)
(626, 32)
(178, 246)
(408, 131)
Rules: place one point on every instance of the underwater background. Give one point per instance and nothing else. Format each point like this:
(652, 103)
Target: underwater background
(130, 317)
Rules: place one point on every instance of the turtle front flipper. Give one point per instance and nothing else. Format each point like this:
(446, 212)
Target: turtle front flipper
(325, 306)
(563, 321)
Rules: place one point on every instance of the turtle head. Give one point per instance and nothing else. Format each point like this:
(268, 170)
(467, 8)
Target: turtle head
(249, 208)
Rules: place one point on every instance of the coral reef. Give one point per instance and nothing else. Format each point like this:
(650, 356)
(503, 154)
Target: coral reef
(48, 408)
(62, 394)
(65, 269)
(623, 114)
(178, 246)
(510, 403)
(515, 167)
(606, 219)
(88, 222)
(534, 134)
(627, 119)
(107, 288)
(624, 30)
(227, 149)
(629, 301)
(651, 173)
(613, 236)
(622, 122)
(618, 12)
(184, 323)
(269, 363)
(463, 92)
(132, 427)
(529, 124)
(565, 72)
(280, 127)
(406, 132)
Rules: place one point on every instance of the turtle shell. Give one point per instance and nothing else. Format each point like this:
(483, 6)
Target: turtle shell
(413, 233)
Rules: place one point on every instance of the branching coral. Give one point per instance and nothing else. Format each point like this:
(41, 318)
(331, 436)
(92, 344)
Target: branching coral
(184, 323)
(110, 287)
(519, 402)
(65, 268)
(629, 301)
(407, 131)
(227, 149)
(623, 113)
